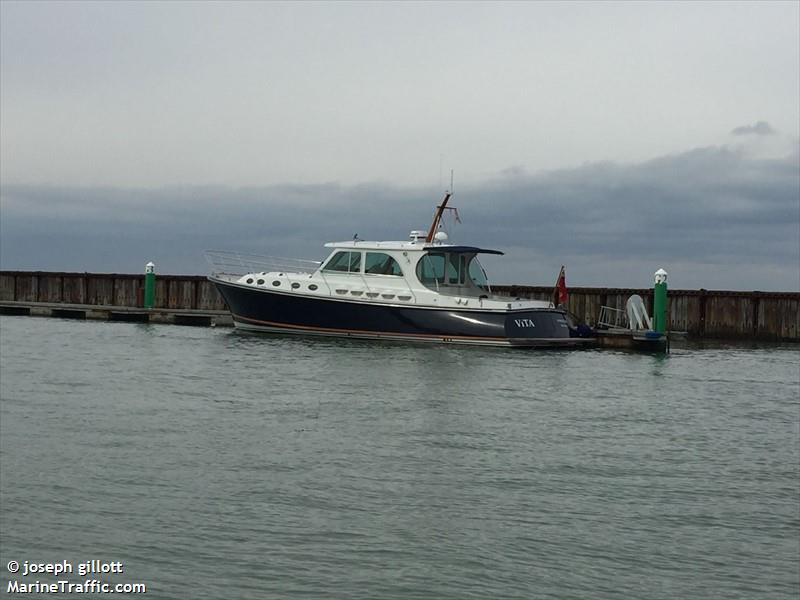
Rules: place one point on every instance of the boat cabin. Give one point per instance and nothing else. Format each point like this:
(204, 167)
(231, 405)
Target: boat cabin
(441, 268)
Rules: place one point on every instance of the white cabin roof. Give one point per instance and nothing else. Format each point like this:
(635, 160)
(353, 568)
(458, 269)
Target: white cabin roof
(368, 245)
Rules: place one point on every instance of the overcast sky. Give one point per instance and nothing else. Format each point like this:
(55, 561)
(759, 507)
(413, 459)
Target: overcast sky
(615, 138)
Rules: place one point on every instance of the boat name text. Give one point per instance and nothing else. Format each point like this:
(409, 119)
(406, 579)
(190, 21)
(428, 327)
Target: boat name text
(524, 323)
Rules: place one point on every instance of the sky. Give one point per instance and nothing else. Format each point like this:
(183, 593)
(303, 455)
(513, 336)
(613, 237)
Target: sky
(614, 138)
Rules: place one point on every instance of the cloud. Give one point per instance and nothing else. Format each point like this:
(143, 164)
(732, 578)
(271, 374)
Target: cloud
(759, 128)
(713, 217)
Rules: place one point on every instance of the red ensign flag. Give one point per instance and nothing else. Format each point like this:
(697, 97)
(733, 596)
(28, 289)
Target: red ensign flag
(560, 293)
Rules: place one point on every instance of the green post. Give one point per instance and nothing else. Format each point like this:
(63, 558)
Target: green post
(660, 302)
(149, 285)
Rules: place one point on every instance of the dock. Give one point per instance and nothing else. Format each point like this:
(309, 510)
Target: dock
(193, 300)
(130, 314)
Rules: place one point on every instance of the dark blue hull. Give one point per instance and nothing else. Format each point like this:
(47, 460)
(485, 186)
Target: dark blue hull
(266, 310)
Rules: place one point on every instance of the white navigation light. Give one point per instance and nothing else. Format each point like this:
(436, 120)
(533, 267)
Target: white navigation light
(661, 276)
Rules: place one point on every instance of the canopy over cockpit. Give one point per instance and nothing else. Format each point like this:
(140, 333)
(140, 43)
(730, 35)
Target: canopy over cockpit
(463, 250)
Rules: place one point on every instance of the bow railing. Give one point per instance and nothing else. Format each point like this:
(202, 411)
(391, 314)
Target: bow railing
(240, 263)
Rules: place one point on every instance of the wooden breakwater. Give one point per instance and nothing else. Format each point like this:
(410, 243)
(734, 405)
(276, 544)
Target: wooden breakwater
(182, 299)
(769, 316)
(192, 292)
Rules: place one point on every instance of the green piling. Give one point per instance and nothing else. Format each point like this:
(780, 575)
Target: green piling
(149, 285)
(660, 301)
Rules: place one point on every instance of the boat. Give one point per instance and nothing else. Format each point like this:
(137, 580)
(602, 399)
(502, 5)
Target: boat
(422, 289)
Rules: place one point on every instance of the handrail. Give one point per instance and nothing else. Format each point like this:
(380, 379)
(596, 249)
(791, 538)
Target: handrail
(240, 263)
(612, 318)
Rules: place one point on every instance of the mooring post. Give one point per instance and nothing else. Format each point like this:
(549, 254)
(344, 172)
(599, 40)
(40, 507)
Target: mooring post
(660, 301)
(149, 285)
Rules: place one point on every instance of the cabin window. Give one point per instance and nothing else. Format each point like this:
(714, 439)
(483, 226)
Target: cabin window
(344, 262)
(430, 268)
(455, 270)
(441, 268)
(476, 273)
(378, 263)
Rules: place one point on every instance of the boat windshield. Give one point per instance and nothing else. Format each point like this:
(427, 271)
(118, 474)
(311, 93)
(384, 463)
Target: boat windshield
(456, 273)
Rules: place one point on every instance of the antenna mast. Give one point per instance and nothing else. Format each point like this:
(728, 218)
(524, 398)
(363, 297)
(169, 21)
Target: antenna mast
(437, 218)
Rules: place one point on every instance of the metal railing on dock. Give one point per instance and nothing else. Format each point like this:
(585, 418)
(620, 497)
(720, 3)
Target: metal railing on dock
(612, 318)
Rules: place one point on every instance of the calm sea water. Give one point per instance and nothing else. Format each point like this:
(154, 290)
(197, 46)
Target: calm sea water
(217, 464)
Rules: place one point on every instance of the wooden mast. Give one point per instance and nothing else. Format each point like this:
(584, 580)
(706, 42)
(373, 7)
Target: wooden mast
(437, 217)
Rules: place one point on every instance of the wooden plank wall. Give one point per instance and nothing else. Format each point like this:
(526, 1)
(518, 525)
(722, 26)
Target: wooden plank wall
(109, 289)
(772, 316)
(702, 313)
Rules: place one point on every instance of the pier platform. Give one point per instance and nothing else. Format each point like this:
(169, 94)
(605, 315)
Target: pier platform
(172, 316)
(627, 339)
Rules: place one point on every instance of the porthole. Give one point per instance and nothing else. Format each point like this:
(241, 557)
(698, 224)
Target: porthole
(313, 287)
(295, 285)
(250, 280)
(276, 283)
(260, 282)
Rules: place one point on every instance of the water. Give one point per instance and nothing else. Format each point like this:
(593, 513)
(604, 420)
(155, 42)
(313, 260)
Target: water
(216, 464)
